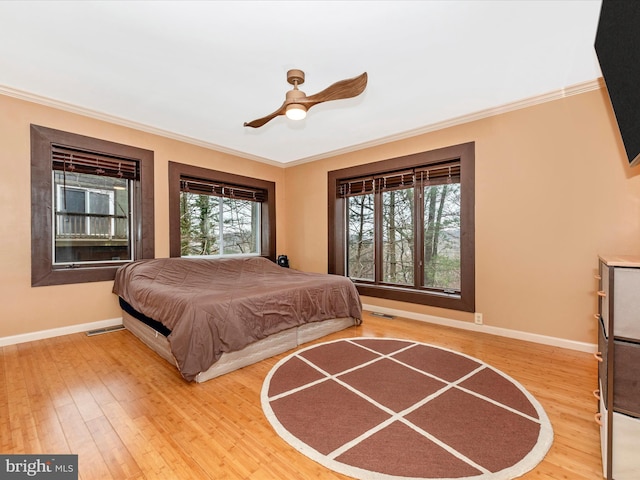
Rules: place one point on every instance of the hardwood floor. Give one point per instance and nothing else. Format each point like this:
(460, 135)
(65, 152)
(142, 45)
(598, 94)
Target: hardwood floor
(128, 414)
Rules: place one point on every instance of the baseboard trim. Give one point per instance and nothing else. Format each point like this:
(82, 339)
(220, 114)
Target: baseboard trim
(502, 332)
(447, 322)
(58, 332)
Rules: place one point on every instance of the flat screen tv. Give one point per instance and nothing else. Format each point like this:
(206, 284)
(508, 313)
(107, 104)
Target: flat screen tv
(618, 50)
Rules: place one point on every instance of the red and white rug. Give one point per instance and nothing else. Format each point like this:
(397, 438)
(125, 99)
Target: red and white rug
(379, 408)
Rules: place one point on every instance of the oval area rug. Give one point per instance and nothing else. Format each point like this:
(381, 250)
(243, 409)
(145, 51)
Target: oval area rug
(381, 408)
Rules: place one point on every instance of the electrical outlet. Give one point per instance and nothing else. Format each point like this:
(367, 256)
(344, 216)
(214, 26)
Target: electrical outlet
(478, 318)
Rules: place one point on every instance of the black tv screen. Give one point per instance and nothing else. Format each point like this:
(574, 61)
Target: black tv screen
(618, 50)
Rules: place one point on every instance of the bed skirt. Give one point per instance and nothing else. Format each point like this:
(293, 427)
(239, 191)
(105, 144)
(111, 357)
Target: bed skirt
(253, 353)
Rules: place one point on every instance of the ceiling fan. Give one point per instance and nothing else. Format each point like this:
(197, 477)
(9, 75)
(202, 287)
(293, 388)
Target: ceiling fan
(297, 103)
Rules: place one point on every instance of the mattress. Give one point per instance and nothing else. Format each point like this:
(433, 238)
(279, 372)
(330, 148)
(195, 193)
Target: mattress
(253, 353)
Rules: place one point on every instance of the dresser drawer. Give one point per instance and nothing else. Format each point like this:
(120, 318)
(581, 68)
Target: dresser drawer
(626, 378)
(626, 374)
(625, 435)
(626, 300)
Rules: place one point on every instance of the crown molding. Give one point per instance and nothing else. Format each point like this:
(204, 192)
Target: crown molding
(490, 112)
(123, 122)
(472, 117)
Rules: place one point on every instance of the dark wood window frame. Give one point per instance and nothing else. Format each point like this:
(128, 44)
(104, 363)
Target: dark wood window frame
(268, 210)
(43, 271)
(465, 301)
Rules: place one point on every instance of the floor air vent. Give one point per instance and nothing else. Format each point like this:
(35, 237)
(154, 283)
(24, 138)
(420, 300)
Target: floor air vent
(383, 315)
(98, 331)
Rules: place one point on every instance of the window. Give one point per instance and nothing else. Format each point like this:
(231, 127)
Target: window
(403, 229)
(92, 215)
(219, 219)
(217, 213)
(92, 207)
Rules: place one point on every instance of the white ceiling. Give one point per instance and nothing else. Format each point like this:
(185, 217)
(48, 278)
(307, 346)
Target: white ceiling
(200, 69)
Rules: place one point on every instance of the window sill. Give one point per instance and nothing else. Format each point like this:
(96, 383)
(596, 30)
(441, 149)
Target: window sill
(67, 276)
(422, 297)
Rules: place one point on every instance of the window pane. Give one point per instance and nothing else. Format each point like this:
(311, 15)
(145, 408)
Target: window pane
(241, 226)
(91, 218)
(199, 224)
(69, 225)
(360, 248)
(442, 236)
(99, 202)
(212, 225)
(397, 236)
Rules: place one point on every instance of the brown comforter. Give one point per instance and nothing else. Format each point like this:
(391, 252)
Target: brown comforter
(214, 306)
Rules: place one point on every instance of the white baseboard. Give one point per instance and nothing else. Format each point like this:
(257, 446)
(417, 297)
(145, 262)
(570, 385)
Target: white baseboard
(57, 332)
(503, 332)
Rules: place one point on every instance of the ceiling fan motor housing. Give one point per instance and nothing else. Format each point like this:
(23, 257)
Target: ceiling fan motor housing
(295, 110)
(295, 94)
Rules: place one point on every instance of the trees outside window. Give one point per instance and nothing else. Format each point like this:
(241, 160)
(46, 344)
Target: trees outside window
(211, 225)
(442, 237)
(403, 228)
(398, 224)
(360, 251)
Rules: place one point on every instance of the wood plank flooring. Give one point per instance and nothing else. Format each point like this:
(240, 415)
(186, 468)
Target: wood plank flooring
(128, 414)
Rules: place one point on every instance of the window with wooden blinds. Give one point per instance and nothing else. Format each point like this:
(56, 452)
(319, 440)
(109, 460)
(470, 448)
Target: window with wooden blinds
(92, 207)
(403, 228)
(186, 182)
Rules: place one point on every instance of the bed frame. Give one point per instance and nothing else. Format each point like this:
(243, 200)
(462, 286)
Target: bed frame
(253, 353)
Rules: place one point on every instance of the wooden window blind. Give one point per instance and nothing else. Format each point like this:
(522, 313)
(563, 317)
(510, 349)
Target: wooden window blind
(71, 160)
(436, 174)
(207, 187)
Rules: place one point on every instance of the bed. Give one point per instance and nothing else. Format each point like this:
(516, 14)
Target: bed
(212, 316)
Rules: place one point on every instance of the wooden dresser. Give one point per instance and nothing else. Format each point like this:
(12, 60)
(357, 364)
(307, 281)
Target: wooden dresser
(619, 366)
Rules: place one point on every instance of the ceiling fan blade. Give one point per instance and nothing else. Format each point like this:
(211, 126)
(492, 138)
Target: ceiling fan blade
(349, 88)
(261, 121)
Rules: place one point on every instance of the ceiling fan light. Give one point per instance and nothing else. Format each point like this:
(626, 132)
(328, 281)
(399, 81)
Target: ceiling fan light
(295, 111)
